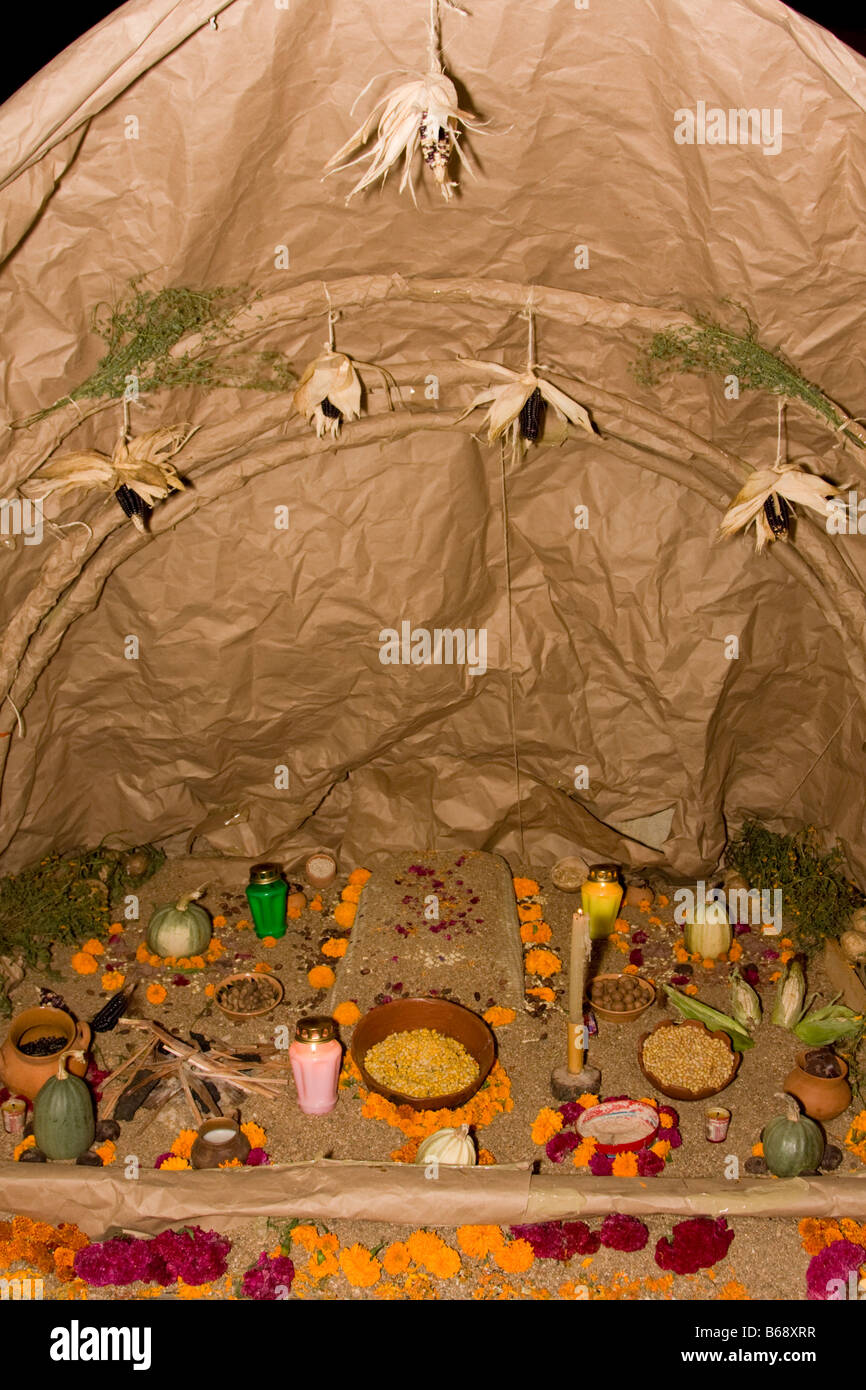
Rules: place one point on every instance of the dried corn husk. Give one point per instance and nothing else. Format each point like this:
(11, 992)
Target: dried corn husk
(142, 464)
(853, 944)
(330, 377)
(745, 1002)
(783, 480)
(420, 116)
(505, 402)
(829, 1024)
(790, 992)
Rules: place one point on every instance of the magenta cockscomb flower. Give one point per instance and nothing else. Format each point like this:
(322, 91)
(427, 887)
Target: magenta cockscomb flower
(697, 1243)
(269, 1279)
(560, 1145)
(623, 1232)
(827, 1275)
(601, 1165)
(649, 1164)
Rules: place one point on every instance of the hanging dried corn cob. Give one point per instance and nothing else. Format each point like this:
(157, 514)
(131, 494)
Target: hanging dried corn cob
(132, 506)
(531, 416)
(764, 500)
(328, 392)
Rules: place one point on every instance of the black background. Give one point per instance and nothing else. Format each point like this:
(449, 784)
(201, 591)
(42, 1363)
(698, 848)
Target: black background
(44, 30)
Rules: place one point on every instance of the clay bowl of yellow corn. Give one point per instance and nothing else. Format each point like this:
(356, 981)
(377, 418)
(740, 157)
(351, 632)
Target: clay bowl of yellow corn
(424, 1053)
(686, 1061)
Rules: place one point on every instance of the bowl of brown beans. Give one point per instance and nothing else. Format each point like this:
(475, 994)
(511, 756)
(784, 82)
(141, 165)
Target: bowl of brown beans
(428, 1054)
(620, 998)
(686, 1061)
(248, 994)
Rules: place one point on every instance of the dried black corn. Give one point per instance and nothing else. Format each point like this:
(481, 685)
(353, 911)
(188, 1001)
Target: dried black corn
(132, 505)
(530, 418)
(112, 1012)
(330, 411)
(778, 515)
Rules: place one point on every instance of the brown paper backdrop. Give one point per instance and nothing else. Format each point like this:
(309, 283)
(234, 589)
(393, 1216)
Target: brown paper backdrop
(260, 648)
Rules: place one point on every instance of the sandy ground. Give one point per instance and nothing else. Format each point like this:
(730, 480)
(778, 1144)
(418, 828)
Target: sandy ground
(766, 1258)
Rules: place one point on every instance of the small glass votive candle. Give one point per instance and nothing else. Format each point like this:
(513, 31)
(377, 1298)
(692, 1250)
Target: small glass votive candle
(717, 1121)
(14, 1115)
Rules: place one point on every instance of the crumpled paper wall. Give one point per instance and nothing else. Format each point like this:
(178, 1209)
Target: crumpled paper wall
(259, 648)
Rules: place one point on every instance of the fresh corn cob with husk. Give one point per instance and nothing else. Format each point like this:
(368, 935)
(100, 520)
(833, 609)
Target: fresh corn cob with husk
(829, 1024)
(712, 1018)
(790, 992)
(745, 1002)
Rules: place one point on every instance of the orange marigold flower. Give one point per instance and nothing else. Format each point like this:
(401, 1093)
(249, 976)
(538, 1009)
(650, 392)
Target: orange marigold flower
(498, 1017)
(786, 941)
(322, 1264)
(269, 942)
(588, 1099)
(547, 1123)
(344, 915)
(621, 925)
(316, 904)
(255, 1134)
(543, 963)
(359, 1267)
(293, 911)
(655, 921)
(231, 1163)
(431, 1252)
(479, 1241)
(524, 887)
(776, 975)
(680, 955)
(360, 876)
(351, 893)
(625, 1165)
(735, 952)
(94, 947)
(542, 992)
(115, 928)
(182, 1146)
(305, 1235)
(210, 990)
(347, 1013)
(142, 954)
(666, 1121)
(262, 967)
(113, 979)
(514, 1256)
(107, 1152)
(584, 1152)
(708, 964)
(531, 912)
(155, 994)
(173, 1164)
(83, 963)
(535, 932)
(321, 976)
(486, 1159)
(396, 1258)
(690, 989)
(758, 1150)
(661, 1147)
(219, 922)
(335, 946)
(21, 1148)
(786, 956)
(630, 970)
(731, 1291)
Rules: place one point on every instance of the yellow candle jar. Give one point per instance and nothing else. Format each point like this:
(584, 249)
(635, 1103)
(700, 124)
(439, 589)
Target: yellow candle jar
(601, 896)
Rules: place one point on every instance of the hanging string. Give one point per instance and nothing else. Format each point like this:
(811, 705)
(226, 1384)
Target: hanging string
(811, 768)
(434, 61)
(333, 315)
(529, 314)
(779, 430)
(512, 700)
(17, 716)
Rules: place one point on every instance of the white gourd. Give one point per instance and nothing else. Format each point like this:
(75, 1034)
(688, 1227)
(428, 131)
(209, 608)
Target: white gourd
(451, 1147)
(709, 931)
(181, 929)
(853, 944)
(857, 921)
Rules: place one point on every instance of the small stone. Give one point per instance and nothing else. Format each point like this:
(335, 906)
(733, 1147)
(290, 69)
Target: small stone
(33, 1156)
(756, 1165)
(687, 969)
(89, 1160)
(107, 1129)
(832, 1158)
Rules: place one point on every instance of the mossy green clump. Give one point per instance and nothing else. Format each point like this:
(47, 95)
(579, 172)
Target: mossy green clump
(708, 348)
(818, 895)
(142, 331)
(66, 899)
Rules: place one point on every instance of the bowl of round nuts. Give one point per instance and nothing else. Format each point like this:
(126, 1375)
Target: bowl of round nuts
(425, 1053)
(620, 998)
(247, 995)
(686, 1061)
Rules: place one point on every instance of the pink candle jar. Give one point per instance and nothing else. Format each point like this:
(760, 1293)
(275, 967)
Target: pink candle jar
(315, 1056)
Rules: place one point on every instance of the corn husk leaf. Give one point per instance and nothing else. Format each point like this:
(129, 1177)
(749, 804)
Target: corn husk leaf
(429, 101)
(790, 993)
(745, 1002)
(142, 464)
(504, 403)
(714, 1020)
(786, 480)
(333, 376)
(829, 1024)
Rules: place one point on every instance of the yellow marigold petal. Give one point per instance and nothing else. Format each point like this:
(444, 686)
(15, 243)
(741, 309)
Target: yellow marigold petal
(344, 915)
(335, 946)
(155, 994)
(360, 876)
(93, 946)
(347, 1013)
(547, 1123)
(321, 977)
(83, 963)
(499, 1017)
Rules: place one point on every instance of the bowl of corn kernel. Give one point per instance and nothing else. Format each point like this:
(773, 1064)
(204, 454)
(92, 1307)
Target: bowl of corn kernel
(425, 1053)
(686, 1061)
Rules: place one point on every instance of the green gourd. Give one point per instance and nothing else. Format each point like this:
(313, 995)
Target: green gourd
(63, 1121)
(793, 1143)
(181, 929)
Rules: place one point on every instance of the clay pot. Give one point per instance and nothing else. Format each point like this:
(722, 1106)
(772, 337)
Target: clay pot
(232, 1143)
(320, 869)
(25, 1075)
(822, 1097)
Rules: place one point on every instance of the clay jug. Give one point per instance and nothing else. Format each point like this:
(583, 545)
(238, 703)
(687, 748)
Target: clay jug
(24, 1075)
(822, 1097)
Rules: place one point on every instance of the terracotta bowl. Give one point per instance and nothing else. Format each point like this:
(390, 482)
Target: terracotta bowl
(205, 1154)
(402, 1016)
(621, 1015)
(260, 976)
(680, 1092)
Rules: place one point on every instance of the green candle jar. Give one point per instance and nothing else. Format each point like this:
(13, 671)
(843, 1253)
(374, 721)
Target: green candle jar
(267, 893)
